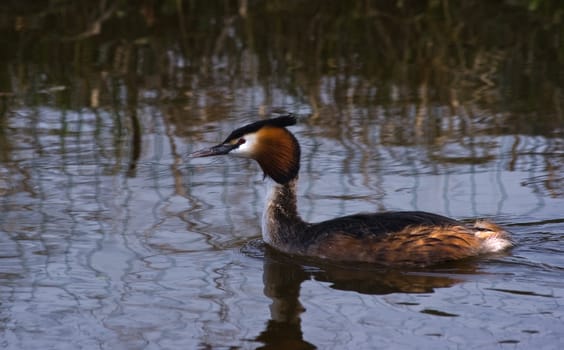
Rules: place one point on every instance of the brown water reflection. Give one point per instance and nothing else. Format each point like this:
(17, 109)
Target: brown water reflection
(283, 276)
(110, 239)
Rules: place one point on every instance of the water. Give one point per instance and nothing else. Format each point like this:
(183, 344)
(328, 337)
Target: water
(111, 238)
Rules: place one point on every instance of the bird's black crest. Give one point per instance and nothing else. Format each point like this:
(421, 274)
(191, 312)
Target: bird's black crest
(280, 122)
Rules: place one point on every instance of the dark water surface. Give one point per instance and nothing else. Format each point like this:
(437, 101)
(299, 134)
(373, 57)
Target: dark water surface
(111, 238)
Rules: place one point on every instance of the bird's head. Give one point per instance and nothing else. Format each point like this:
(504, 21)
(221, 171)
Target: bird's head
(268, 142)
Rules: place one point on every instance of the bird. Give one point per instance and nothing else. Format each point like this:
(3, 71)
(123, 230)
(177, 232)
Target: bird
(392, 238)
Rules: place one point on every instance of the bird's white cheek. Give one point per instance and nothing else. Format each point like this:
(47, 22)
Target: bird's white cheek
(246, 149)
(240, 152)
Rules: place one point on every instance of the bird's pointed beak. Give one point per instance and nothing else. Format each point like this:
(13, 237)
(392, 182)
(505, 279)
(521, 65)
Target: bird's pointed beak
(213, 151)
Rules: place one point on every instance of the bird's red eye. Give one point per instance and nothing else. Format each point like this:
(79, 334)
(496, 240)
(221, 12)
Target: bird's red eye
(241, 141)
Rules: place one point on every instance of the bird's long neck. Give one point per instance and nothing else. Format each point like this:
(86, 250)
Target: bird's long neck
(281, 223)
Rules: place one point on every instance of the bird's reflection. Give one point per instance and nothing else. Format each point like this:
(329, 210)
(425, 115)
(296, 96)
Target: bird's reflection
(282, 285)
(284, 274)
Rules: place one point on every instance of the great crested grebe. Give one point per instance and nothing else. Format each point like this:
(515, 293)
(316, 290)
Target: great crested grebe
(390, 238)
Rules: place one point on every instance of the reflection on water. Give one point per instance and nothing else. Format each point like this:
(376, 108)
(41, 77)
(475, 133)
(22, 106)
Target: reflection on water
(283, 276)
(110, 238)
